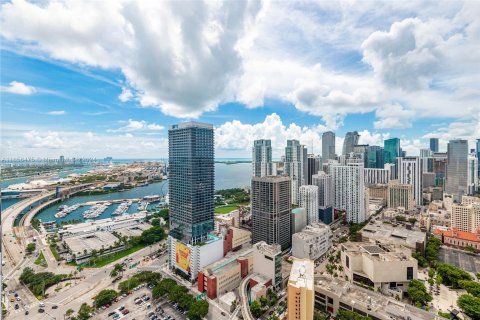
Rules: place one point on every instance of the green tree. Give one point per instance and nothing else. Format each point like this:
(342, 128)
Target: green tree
(471, 286)
(31, 247)
(263, 302)
(163, 287)
(117, 268)
(69, 312)
(177, 292)
(129, 284)
(432, 249)
(470, 305)
(418, 293)
(104, 297)
(256, 309)
(155, 222)
(84, 312)
(198, 310)
(451, 275)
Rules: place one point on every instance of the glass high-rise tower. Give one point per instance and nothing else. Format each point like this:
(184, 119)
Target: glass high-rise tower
(262, 158)
(391, 150)
(191, 180)
(351, 140)
(328, 146)
(434, 144)
(457, 168)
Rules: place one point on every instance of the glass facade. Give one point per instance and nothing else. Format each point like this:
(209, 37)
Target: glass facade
(375, 157)
(191, 181)
(457, 164)
(434, 144)
(391, 150)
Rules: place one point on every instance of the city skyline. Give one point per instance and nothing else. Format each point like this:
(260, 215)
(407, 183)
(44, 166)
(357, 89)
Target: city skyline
(59, 97)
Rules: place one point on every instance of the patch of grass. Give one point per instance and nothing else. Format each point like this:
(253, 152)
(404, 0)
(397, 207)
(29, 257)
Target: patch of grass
(103, 261)
(225, 209)
(40, 261)
(53, 248)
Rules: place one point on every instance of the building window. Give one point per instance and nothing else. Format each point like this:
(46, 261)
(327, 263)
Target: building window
(347, 261)
(409, 273)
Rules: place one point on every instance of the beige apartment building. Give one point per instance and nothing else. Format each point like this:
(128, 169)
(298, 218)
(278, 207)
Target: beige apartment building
(466, 217)
(400, 195)
(301, 290)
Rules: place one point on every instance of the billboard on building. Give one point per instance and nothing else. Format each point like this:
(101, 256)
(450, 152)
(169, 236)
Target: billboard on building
(182, 257)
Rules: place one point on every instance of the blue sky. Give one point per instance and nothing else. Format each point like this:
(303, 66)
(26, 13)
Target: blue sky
(79, 79)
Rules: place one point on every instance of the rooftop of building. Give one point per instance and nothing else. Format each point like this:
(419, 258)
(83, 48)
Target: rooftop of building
(191, 124)
(369, 300)
(312, 230)
(381, 252)
(301, 274)
(267, 249)
(227, 262)
(458, 234)
(271, 178)
(378, 229)
(95, 241)
(101, 223)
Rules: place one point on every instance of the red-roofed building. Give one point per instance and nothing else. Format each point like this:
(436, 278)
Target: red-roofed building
(459, 239)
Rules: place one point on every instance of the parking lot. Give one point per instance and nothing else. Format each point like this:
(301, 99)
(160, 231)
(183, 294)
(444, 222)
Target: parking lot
(462, 260)
(139, 305)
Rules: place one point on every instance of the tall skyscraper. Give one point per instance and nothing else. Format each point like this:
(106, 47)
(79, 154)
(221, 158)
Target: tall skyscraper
(472, 179)
(410, 171)
(300, 290)
(457, 168)
(262, 158)
(271, 210)
(391, 150)
(439, 167)
(349, 191)
(313, 166)
(326, 196)
(191, 180)
(309, 201)
(351, 139)
(434, 144)
(328, 146)
(375, 157)
(478, 155)
(296, 166)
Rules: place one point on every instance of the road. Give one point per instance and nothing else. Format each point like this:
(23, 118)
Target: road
(244, 299)
(84, 290)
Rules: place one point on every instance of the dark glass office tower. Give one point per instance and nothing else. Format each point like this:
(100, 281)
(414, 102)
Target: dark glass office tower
(457, 168)
(375, 157)
(391, 150)
(478, 155)
(351, 140)
(434, 144)
(328, 146)
(191, 180)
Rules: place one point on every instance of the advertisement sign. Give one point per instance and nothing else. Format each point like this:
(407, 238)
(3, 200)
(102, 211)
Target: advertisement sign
(182, 257)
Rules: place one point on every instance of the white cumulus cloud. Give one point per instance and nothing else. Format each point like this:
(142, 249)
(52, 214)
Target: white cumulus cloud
(18, 88)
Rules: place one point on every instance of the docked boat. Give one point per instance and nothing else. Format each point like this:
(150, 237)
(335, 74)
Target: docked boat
(122, 208)
(142, 205)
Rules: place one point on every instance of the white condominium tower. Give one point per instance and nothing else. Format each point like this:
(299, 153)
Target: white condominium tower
(262, 158)
(376, 176)
(309, 201)
(325, 189)
(410, 170)
(349, 187)
(296, 166)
